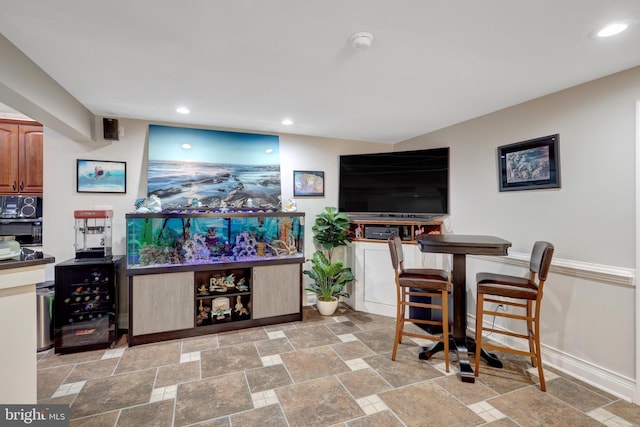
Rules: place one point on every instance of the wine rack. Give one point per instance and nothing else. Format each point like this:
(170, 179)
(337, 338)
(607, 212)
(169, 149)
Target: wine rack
(86, 304)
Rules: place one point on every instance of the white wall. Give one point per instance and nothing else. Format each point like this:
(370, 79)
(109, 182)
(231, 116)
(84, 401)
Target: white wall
(317, 154)
(588, 317)
(61, 199)
(597, 155)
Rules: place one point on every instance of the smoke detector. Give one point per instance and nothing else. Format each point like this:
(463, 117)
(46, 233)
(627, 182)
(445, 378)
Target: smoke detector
(361, 40)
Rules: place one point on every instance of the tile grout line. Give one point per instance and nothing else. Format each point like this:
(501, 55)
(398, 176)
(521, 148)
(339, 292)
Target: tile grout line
(599, 414)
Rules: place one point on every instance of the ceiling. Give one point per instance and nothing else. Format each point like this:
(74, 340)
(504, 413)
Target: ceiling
(248, 64)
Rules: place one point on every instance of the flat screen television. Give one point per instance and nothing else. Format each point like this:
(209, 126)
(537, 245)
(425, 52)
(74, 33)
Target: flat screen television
(399, 183)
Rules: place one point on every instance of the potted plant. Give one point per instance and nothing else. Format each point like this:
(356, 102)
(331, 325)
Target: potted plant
(330, 230)
(329, 280)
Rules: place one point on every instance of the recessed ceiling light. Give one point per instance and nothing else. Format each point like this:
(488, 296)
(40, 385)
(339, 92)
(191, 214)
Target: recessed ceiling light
(186, 146)
(183, 110)
(612, 29)
(287, 122)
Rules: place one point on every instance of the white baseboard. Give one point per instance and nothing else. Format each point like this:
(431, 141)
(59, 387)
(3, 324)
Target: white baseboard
(597, 376)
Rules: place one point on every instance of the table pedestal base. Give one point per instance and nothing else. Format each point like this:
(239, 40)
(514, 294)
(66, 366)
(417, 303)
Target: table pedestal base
(462, 347)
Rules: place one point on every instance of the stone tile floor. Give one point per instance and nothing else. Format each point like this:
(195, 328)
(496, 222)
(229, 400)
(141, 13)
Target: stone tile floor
(323, 371)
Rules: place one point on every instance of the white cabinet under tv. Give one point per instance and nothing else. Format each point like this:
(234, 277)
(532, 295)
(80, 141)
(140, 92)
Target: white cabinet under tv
(374, 288)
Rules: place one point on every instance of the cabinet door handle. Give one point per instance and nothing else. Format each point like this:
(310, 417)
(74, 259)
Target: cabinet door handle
(21, 185)
(13, 185)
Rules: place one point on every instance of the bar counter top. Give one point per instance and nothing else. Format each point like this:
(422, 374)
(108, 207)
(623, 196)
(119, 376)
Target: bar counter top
(19, 263)
(18, 327)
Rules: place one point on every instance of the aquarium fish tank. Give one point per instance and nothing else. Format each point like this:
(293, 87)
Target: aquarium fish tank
(156, 239)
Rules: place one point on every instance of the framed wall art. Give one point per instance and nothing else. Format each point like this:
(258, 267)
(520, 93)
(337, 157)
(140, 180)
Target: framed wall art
(308, 183)
(101, 176)
(204, 165)
(530, 165)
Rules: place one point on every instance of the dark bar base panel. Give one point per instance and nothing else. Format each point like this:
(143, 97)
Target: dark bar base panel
(207, 330)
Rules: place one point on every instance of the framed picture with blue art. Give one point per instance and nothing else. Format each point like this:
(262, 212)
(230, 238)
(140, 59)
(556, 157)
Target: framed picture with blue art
(308, 183)
(216, 169)
(101, 176)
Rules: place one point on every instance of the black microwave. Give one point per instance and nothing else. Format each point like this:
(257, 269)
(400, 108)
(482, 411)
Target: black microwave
(28, 232)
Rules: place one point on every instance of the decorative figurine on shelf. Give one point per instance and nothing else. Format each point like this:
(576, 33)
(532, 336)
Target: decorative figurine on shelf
(203, 314)
(154, 204)
(150, 204)
(217, 284)
(358, 232)
(242, 286)
(220, 308)
(203, 290)
(240, 309)
(229, 281)
(290, 206)
(419, 230)
(139, 202)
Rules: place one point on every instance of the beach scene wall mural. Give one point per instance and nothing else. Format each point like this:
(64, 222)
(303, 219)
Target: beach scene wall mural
(213, 169)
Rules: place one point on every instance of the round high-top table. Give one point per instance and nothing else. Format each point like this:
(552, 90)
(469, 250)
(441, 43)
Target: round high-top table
(460, 246)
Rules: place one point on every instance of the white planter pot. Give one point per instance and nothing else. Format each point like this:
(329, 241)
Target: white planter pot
(327, 308)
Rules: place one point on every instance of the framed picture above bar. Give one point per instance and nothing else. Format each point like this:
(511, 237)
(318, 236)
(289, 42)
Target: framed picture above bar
(530, 165)
(101, 176)
(308, 183)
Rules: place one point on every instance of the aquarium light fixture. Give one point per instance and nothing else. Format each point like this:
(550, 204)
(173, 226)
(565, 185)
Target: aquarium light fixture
(183, 110)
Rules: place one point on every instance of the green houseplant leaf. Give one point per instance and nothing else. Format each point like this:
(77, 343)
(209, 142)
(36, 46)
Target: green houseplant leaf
(331, 230)
(329, 278)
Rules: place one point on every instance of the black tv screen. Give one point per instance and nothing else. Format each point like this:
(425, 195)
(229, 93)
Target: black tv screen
(398, 183)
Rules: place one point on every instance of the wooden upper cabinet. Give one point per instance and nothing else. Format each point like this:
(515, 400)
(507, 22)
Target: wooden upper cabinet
(8, 158)
(21, 159)
(31, 161)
